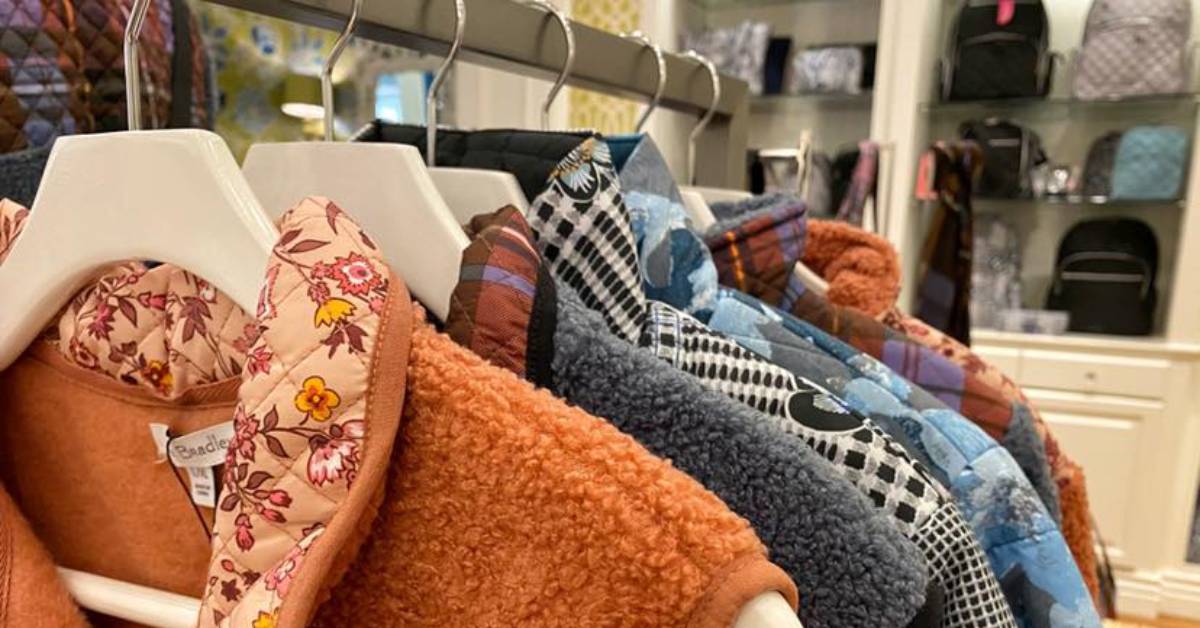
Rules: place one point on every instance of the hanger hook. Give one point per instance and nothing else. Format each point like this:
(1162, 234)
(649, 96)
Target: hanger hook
(661, 63)
(133, 79)
(708, 115)
(568, 64)
(431, 115)
(327, 68)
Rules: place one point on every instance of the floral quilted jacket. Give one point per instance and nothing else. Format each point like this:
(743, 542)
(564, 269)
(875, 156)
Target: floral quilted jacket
(864, 276)
(365, 453)
(1020, 559)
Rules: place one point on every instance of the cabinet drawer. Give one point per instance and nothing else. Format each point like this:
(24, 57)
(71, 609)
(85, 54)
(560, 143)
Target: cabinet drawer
(1091, 373)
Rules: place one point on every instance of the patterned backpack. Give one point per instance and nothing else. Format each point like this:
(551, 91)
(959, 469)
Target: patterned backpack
(1134, 48)
(1150, 164)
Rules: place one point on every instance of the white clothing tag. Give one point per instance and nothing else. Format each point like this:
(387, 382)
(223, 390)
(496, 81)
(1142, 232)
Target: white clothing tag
(204, 486)
(197, 453)
(158, 431)
(202, 449)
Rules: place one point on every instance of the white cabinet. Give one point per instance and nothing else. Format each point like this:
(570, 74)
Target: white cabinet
(1126, 410)
(1109, 438)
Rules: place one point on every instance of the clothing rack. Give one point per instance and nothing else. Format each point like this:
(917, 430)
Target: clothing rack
(514, 37)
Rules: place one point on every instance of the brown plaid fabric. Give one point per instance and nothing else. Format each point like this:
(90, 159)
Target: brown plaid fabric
(504, 293)
(757, 255)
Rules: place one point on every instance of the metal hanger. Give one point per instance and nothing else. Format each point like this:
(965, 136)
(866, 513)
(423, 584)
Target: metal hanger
(386, 187)
(468, 191)
(661, 64)
(568, 63)
(693, 201)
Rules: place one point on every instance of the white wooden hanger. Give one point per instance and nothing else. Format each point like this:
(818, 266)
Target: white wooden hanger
(693, 202)
(175, 196)
(468, 191)
(385, 187)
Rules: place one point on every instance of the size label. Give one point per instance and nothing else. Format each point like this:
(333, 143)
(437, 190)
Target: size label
(205, 448)
(196, 453)
(204, 486)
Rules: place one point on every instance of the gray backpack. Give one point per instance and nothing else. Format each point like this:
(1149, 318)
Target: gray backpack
(1098, 169)
(1134, 48)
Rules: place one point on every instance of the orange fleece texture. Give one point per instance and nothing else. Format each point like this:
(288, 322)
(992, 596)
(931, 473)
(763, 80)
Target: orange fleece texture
(862, 269)
(863, 272)
(79, 460)
(505, 506)
(31, 595)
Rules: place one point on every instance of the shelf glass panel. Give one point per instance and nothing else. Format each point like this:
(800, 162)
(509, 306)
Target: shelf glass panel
(1062, 104)
(1075, 201)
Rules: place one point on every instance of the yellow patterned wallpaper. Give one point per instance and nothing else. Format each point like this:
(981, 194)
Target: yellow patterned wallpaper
(589, 109)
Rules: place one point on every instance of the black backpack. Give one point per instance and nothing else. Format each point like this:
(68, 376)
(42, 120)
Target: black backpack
(985, 59)
(1104, 277)
(1010, 153)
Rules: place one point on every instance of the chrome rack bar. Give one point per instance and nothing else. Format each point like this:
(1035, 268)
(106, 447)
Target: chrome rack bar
(511, 36)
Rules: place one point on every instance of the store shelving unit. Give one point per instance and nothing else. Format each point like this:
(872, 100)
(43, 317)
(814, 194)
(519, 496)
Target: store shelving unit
(1127, 408)
(777, 120)
(1057, 105)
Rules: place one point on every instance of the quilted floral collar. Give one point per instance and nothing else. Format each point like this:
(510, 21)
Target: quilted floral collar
(504, 307)
(160, 329)
(312, 437)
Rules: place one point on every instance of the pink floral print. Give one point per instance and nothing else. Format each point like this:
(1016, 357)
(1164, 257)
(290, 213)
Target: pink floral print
(159, 328)
(12, 220)
(300, 426)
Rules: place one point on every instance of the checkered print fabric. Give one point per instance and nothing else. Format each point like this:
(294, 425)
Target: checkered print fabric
(583, 232)
(860, 450)
(973, 596)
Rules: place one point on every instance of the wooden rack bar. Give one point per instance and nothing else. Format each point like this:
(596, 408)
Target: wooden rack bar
(511, 36)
